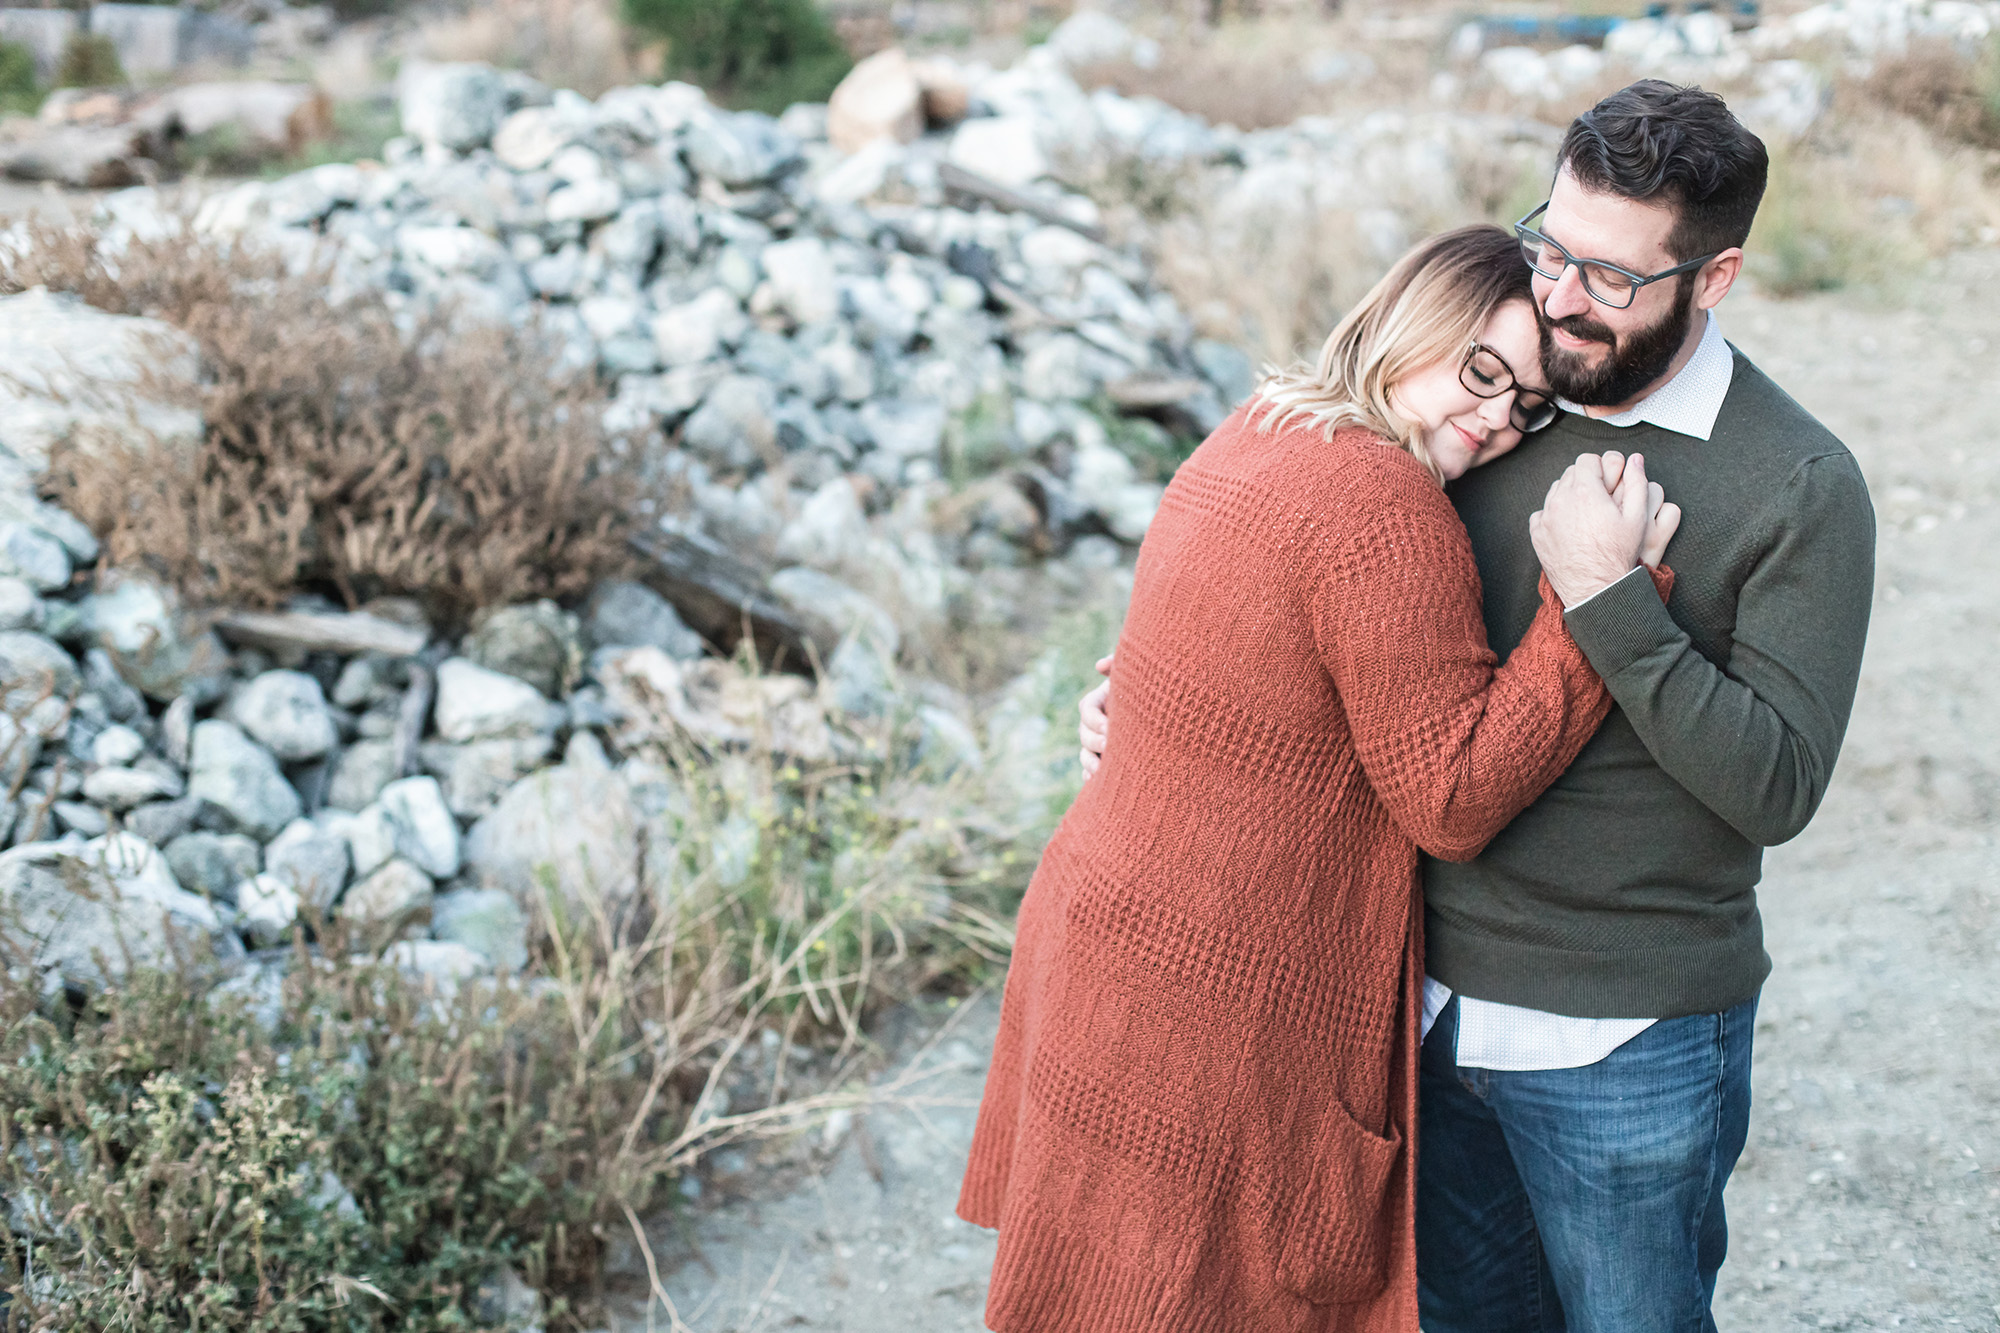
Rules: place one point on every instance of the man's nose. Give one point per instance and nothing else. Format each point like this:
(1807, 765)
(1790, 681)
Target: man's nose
(1567, 297)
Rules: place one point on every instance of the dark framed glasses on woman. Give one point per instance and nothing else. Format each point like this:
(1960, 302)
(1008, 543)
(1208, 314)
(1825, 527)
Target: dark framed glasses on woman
(1486, 374)
(1605, 282)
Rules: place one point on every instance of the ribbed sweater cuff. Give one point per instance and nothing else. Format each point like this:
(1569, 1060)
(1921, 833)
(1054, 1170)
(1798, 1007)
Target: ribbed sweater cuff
(1621, 624)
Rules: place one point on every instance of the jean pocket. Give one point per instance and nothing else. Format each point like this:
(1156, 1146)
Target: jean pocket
(1336, 1246)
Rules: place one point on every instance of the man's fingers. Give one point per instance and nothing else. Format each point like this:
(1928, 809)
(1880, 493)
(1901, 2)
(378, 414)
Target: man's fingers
(1656, 495)
(1104, 664)
(1090, 763)
(1633, 499)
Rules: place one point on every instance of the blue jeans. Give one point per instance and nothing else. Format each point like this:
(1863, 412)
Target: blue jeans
(1582, 1200)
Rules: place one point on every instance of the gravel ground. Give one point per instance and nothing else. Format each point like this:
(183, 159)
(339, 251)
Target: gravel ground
(1870, 1194)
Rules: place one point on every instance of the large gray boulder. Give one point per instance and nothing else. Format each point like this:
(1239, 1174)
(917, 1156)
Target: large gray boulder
(242, 779)
(475, 775)
(571, 829)
(92, 912)
(74, 371)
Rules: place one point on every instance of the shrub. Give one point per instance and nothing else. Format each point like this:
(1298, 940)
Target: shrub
(765, 54)
(344, 452)
(20, 85)
(1955, 94)
(90, 60)
(364, 1151)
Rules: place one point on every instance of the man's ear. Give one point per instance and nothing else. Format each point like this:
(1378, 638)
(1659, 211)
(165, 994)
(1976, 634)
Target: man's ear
(1716, 277)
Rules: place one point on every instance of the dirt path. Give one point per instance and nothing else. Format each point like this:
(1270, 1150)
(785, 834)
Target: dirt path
(1870, 1195)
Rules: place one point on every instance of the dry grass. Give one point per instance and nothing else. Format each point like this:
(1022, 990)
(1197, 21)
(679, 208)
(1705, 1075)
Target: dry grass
(579, 44)
(1954, 93)
(342, 453)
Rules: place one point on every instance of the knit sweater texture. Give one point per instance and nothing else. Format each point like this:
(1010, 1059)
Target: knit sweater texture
(1200, 1109)
(1628, 890)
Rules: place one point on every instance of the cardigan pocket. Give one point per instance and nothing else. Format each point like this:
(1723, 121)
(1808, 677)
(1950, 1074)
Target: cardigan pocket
(1336, 1247)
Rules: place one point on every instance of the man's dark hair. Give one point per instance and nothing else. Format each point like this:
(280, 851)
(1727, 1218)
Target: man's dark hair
(1660, 143)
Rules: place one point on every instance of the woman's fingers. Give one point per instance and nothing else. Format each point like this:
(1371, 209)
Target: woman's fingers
(1666, 522)
(1090, 762)
(1104, 664)
(1093, 719)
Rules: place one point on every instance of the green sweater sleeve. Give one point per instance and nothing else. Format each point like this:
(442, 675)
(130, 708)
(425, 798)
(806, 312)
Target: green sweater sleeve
(1754, 739)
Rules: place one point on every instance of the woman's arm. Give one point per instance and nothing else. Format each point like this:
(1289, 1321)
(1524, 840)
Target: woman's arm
(1454, 743)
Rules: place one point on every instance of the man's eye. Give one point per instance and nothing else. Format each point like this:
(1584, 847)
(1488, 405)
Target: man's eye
(1610, 279)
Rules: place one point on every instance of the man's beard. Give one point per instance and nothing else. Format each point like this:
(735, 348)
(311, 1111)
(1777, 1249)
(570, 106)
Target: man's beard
(1635, 361)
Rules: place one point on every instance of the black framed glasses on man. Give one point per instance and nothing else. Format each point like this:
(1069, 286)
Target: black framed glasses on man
(1607, 283)
(1486, 374)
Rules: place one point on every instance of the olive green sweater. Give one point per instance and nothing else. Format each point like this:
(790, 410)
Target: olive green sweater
(1629, 889)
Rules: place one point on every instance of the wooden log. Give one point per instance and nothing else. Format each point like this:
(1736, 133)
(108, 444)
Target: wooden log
(345, 633)
(973, 185)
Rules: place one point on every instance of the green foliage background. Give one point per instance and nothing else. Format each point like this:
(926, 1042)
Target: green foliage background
(761, 54)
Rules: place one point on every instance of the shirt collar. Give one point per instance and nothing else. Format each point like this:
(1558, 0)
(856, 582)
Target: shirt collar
(1689, 403)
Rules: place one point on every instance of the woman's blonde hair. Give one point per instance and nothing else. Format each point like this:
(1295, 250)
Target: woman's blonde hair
(1428, 308)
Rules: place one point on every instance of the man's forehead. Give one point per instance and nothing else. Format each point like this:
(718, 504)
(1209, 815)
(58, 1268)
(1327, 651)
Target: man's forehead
(1596, 224)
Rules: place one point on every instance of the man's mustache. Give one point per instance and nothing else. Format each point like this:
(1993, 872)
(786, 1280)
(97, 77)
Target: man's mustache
(1583, 326)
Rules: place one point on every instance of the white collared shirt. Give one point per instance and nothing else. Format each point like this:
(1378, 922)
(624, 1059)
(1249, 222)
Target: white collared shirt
(1492, 1035)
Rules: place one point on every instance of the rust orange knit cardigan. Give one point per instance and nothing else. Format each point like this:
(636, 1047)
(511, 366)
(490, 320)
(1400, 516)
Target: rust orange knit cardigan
(1200, 1111)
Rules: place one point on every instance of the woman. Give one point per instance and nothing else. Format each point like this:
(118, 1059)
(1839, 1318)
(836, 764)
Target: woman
(1199, 1109)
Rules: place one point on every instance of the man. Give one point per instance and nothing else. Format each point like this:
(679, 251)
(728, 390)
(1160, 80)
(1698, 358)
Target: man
(1593, 974)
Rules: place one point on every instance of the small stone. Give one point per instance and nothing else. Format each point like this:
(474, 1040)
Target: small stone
(28, 553)
(312, 860)
(155, 643)
(440, 964)
(38, 680)
(475, 775)
(163, 821)
(426, 833)
(123, 788)
(286, 712)
(393, 894)
(802, 279)
(699, 330)
(738, 150)
(474, 703)
(359, 683)
(214, 863)
(362, 771)
(20, 608)
(117, 745)
(487, 921)
(266, 908)
(585, 201)
(626, 614)
(90, 911)
(241, 778)
(76, 817)
(734, 428)
(100, 677)
(829, 530)
(538, 642)
(1006, 149)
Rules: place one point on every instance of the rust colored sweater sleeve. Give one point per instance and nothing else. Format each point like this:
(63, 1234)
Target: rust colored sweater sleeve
(1454, 743)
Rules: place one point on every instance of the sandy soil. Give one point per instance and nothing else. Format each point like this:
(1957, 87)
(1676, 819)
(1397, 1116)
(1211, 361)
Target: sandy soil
(1870, 1194)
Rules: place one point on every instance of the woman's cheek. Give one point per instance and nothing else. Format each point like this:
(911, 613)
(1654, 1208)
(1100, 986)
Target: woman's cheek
(1503, 442)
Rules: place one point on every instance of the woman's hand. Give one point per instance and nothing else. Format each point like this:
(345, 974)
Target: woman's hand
(1094, 724)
